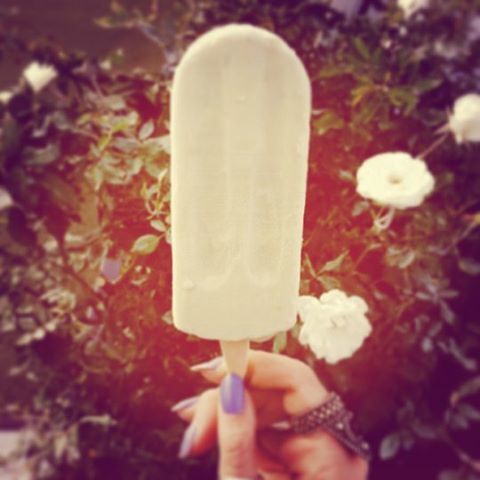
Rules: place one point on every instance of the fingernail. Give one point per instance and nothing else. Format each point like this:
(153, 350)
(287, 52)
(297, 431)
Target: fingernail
(232, 394)
(205, 366)
(187, 442)
(185, 403)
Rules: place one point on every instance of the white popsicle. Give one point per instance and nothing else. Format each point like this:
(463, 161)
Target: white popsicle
(240, 111)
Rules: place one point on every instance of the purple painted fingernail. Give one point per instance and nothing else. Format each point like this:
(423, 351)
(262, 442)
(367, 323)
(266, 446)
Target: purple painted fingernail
(187, 442)
(232, 394)
(205, 366)
(185, 403)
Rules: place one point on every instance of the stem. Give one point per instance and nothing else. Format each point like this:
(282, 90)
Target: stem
(383, 222)
(312, 271)
(433, 146)
(371, 247)
(465, 458)
(72, 273)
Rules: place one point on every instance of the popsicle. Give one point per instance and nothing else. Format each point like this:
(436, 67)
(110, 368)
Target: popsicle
(240, 111)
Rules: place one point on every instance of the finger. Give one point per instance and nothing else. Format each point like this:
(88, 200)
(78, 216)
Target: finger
(200, 435)
(301, 388)
(267, 457)
(236, 430)
(186, 414)
(185, 408)
(316, 455)
(268, 405)
(270, 443)
(265, 463)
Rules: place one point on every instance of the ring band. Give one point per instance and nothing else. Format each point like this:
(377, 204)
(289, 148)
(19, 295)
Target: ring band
(332, 416)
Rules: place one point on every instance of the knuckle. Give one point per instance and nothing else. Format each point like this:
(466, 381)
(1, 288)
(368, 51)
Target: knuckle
(304, 374)
(236, 453)
(237, 445)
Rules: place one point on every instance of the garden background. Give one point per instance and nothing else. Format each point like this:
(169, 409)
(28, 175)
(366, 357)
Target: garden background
(90, 363)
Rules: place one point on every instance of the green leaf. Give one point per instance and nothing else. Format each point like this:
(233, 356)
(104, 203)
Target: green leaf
(155, 165)
(447, 313)
(361, 47)
(158, 225)
(115, 102)
(145, 245)
(279, 342)
(61, 192)
(335, 263)
(424, 430)
(469, 412)
(470, 387)
(43, 156)
(359, 208)
(389, 446)
(19, 229)
(360, 92)
(469, 266)
(399, 257)
(146, 130)
(368, 112)
(403, 98)
(332, 71)
(328, 282)
(328, 121)
(104, 420)
(426, 85)
(167, 318)
(346, 175)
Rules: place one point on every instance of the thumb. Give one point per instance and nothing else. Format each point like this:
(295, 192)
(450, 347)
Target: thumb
(236, 430)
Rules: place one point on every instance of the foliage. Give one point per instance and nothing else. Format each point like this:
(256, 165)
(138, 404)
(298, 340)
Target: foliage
(90, 361)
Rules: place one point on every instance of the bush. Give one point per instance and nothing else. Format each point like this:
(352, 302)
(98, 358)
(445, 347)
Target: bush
(90, 360)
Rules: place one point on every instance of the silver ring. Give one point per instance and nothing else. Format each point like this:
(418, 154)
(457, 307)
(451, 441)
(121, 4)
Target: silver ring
(332, 416)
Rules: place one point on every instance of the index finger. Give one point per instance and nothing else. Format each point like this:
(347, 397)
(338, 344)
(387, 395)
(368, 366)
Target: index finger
(296, 381)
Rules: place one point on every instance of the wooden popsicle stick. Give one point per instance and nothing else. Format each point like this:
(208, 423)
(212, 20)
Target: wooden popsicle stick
(235, 354)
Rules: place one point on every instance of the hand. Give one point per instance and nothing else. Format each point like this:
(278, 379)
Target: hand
(278, 387)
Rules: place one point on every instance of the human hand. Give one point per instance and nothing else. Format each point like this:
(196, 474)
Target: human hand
(278, 387)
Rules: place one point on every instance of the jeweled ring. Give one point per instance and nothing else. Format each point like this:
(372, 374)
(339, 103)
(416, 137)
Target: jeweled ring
(332, 416)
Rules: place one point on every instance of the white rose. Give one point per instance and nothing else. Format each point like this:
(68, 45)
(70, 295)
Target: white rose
(334, 326)
(473, 32)
(6, 200)
(394, 179)
(39, 76)
(5, 96)
(409, 7)
(464, 122)
(349, 8)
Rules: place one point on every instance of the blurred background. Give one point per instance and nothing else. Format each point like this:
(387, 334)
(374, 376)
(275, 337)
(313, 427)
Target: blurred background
(90, 363)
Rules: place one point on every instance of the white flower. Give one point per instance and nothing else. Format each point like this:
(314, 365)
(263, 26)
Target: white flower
(39, 76)
(409, 7)
(349, 8)
(334, 326)
(465, 119)
(6, 199)
(394, 179)
(473, 32)
(448, 51)
(5, 96)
